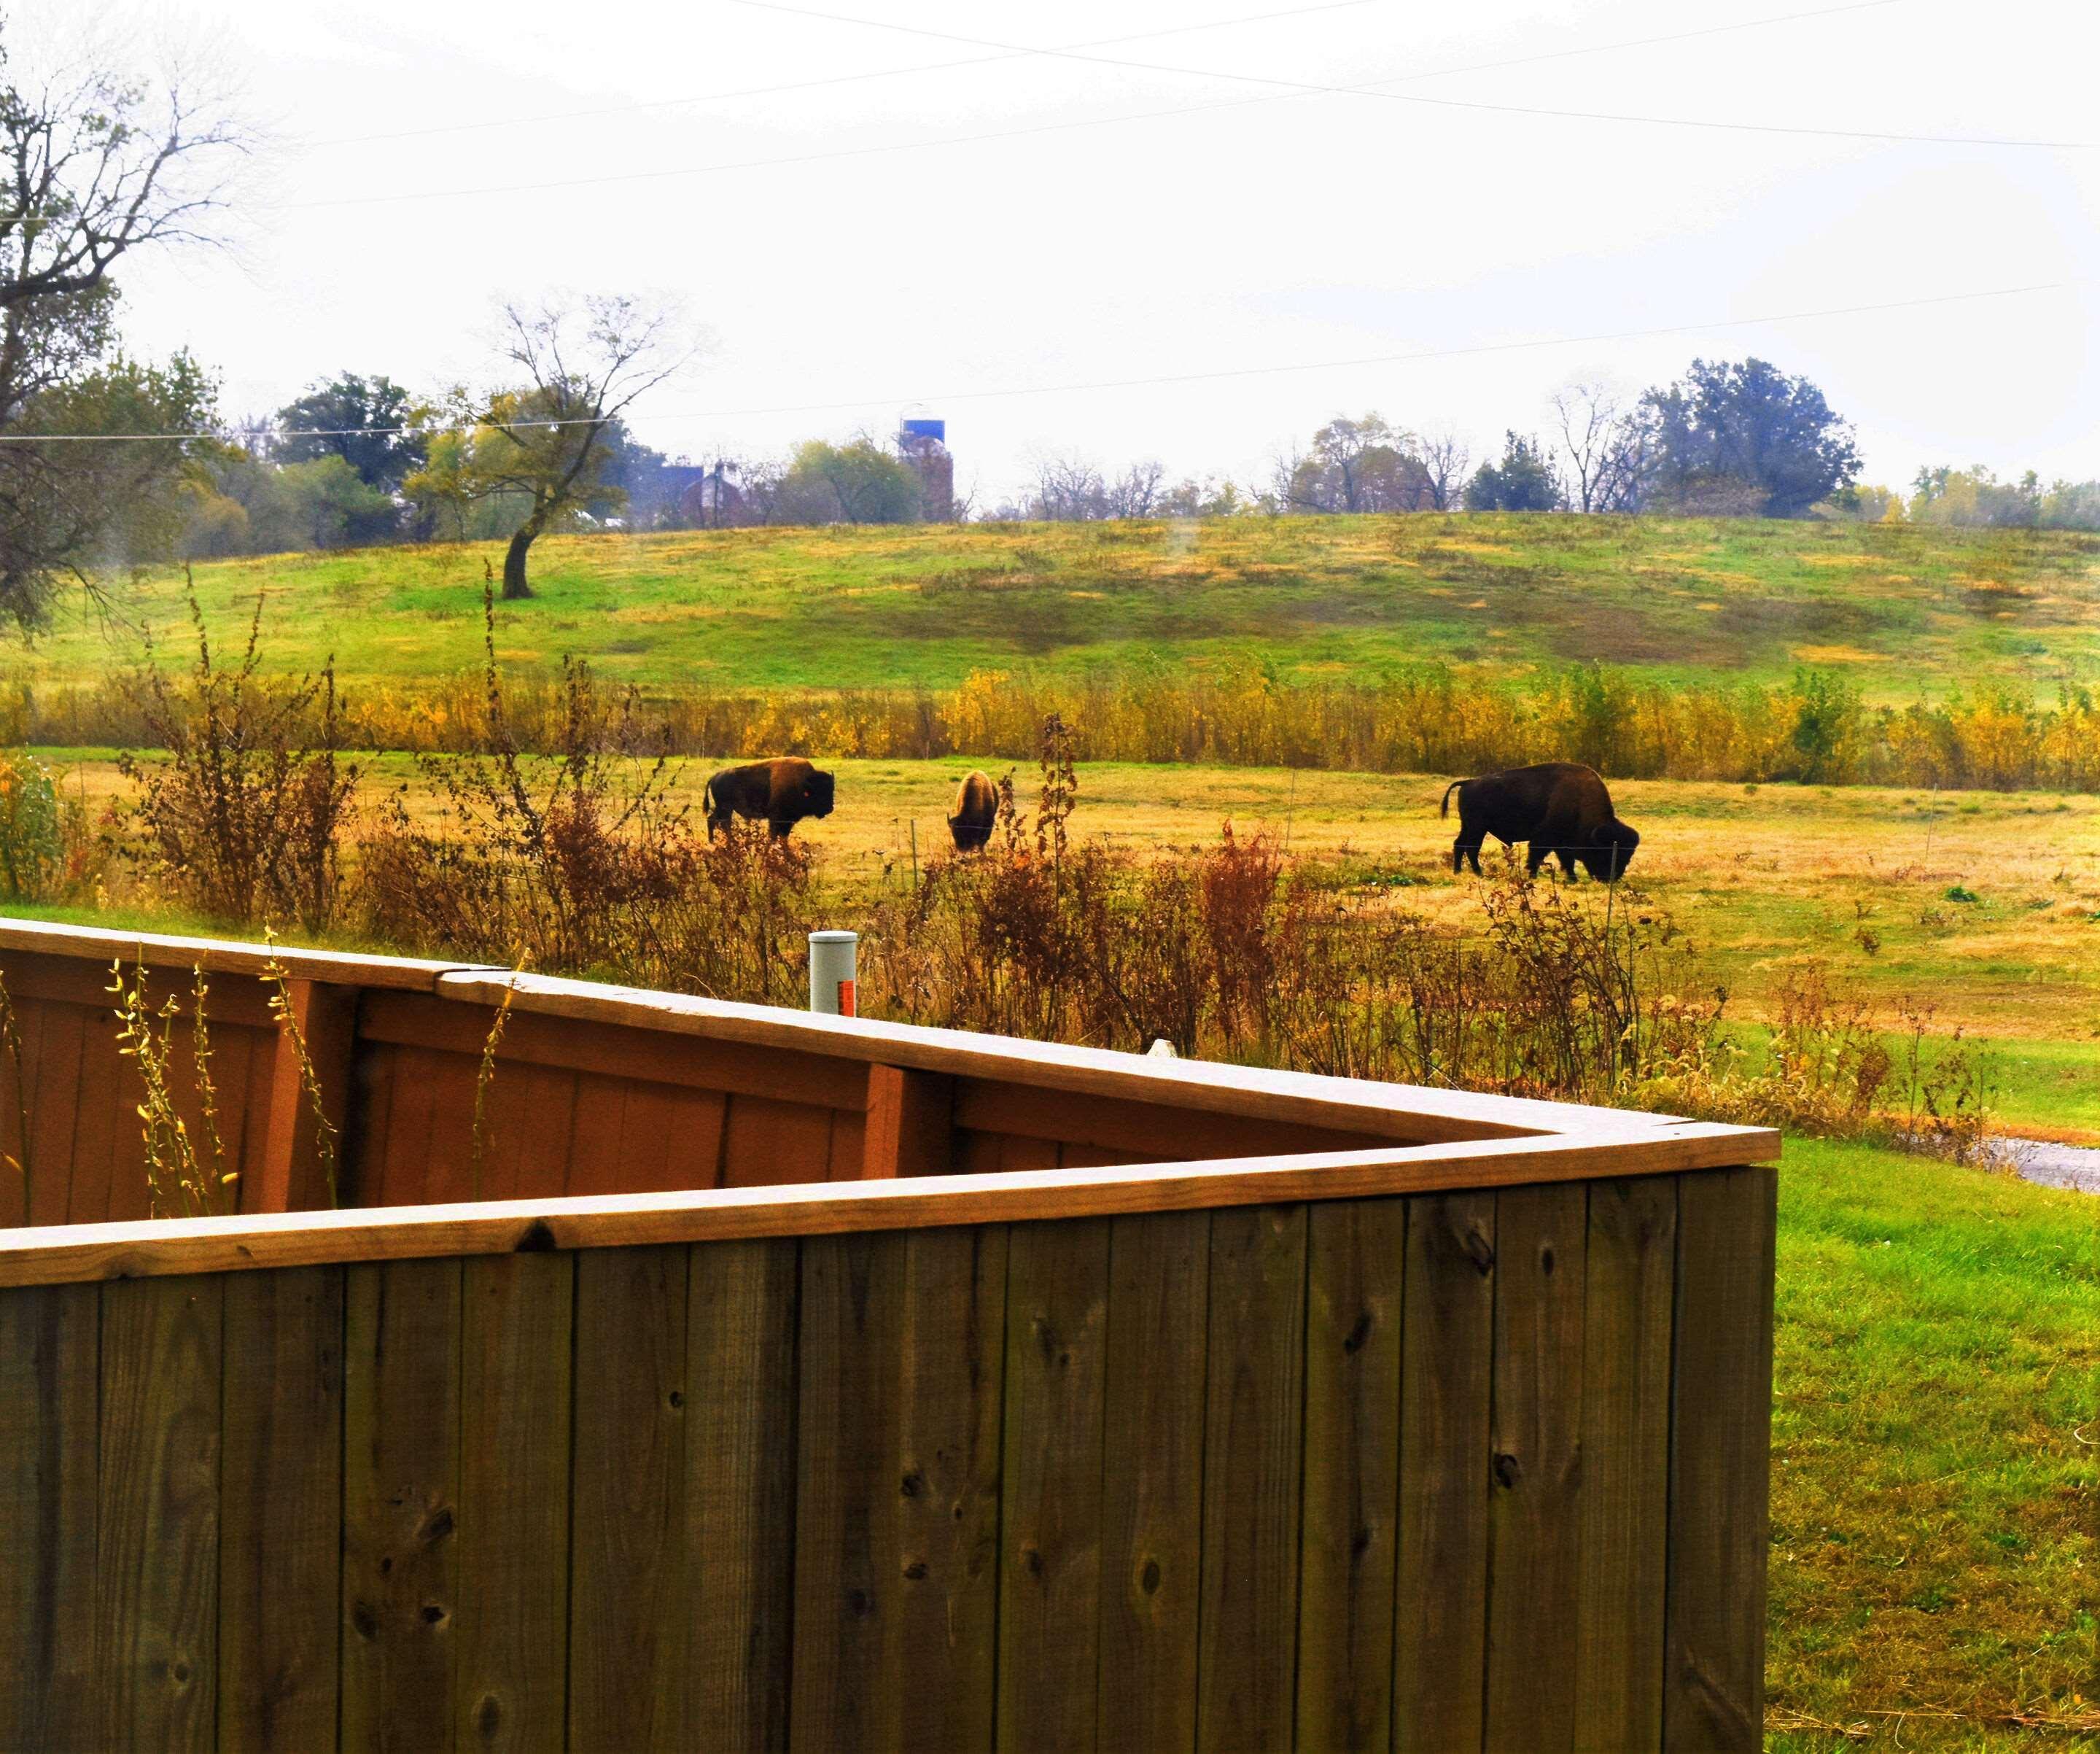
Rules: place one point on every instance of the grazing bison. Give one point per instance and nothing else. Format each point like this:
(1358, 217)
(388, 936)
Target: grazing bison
(977, 809)
(780, 792)
(1560, 807)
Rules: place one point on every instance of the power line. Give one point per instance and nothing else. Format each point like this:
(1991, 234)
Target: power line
(1162, 380)
(1289, 90)
(1368, 89)
(1016, 54)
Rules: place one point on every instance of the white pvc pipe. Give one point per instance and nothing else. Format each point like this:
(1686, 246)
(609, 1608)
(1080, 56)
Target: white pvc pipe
(832, 962)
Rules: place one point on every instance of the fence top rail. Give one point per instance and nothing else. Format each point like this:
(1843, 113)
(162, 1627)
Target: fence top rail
(218, 956)
(62, 1254)
(1359, 1105)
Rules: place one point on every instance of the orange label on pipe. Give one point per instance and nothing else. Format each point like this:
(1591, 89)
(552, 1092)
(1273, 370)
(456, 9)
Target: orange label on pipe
(846, 999)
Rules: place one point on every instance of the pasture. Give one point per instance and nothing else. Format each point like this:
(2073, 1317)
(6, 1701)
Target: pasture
(1984, 907)
(1901, 611)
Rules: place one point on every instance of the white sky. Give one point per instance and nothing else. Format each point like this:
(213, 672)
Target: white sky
(1295, 228)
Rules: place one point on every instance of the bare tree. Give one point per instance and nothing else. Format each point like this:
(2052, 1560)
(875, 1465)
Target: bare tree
(1444, 456)
(547, 440)
(1068, 488)
(96, 164)
(1135, 493)
(1608, 447)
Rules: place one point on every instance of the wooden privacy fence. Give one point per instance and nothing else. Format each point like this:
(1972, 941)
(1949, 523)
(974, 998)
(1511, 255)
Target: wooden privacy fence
(1444, 1426)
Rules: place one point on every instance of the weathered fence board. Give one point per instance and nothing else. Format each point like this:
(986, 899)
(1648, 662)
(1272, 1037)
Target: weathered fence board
(1441, 1619)
(1354, 1304)
(1719, 1485)
(280, 1510)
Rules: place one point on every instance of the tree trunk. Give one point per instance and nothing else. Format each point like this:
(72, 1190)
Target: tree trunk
(514, 586)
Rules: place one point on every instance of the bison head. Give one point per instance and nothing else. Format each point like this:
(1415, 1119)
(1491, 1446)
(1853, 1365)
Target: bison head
(817, 792)
(1611, 850)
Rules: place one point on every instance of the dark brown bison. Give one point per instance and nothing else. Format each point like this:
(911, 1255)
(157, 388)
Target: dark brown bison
(778, 792)
(1561, 808)
(977, 809)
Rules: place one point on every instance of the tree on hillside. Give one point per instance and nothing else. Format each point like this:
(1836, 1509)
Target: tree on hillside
(1522, 480)
(369, 422)
(859, 482)
(548, 444)
(1610, 449)
(1444, 455)
(1364, 465)
(1746, 436)
(96, 165)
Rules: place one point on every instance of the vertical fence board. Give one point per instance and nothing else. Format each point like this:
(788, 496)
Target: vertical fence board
(422, 1082)
(740, 1529)
(1253, 1449)
(400, 1566)
(54, 1116)
(910, 1123)
(280, 1511)
(629, 1582)
(1720, 1458)
(846, 1487)
(50, 1342)
(1152, 1486)
(1632, 1272)
(1535, 1508)
(1440, 1620)
(17, 1105)
(897, 1515)
(513, 1515)
(288, 1175)
(157, 1593)
(1352, 1352)
(766, 1143)
(533, 1126)
(101, 1124)
(1050, 1539)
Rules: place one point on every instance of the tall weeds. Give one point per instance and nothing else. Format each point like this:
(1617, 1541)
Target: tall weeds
(186, 1173)
(244, 817)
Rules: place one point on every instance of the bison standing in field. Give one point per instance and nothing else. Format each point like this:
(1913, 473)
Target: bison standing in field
(1561, 808)
(780, 792)
(977, 809)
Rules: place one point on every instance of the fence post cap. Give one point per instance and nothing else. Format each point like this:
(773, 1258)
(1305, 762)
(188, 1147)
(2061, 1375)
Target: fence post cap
(834, 937)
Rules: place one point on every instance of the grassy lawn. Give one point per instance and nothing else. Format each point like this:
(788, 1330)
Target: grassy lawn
(1902, 610)
(1935, 1565)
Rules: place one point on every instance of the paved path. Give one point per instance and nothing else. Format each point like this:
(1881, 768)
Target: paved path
(2077, 1167)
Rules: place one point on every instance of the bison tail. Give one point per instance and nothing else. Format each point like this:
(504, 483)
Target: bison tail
(1444, 809)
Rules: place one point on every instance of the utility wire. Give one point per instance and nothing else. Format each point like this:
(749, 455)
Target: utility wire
(1282, 90)
(847, 79)
(1118, 383)
(1369, 89)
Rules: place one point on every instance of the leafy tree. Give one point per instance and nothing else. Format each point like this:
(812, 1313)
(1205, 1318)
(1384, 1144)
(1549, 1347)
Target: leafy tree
(1523, 480)
(1746, 436)
(367, 421)
(1365, 465)
(548, 446)
(1976, 497)
(95, 164)
(860, 482)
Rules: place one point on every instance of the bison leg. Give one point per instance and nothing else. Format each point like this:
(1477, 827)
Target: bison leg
(1534, 856)
(1463, 851)
(781, 830)
(1567, 857)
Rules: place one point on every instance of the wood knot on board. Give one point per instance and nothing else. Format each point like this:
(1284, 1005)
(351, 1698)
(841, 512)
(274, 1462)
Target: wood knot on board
(1508, 1469)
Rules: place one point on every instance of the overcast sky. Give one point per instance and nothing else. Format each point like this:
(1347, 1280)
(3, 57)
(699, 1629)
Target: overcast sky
(1033, 223)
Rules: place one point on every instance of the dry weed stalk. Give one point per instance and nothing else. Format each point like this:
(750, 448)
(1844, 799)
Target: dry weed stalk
(180, 1183)
(278, 979)
(484, 1077)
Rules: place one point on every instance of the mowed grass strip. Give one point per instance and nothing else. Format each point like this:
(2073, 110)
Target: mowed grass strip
(1346, 598)
(1935, 1565)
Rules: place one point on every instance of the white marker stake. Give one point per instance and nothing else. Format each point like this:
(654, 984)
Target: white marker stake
(832, 973)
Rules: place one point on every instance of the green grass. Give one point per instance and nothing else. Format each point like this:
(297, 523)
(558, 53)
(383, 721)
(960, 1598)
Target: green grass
(1899, 609)
(1936, 1481)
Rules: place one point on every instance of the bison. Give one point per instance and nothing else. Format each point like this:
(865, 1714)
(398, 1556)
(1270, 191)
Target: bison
(1560, 807)
(977, 809)
(780, 792)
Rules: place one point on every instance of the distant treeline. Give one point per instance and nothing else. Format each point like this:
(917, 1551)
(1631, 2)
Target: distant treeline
(1433, 719)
